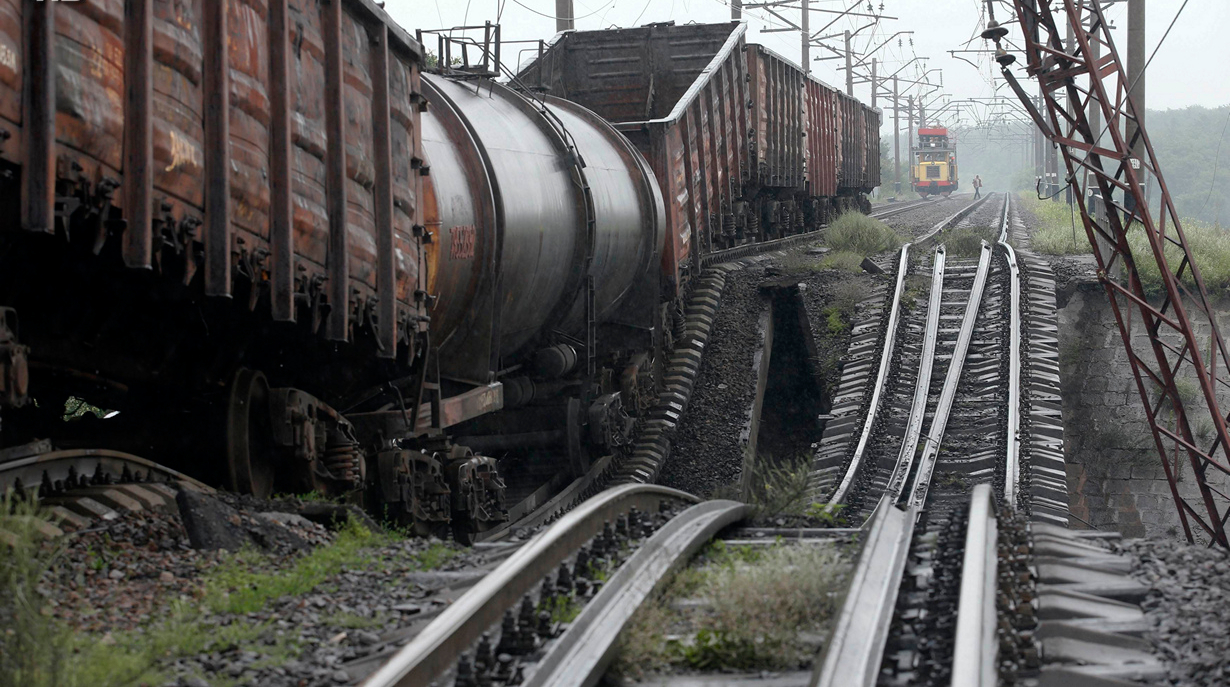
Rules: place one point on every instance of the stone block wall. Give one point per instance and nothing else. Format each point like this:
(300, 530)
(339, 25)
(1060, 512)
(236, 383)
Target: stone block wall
(1115, 476)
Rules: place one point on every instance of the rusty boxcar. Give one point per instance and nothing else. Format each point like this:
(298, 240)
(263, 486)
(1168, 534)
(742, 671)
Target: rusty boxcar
(201, 187)
(745, 146)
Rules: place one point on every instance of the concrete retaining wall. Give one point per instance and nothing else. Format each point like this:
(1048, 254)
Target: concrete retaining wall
(1115, 476)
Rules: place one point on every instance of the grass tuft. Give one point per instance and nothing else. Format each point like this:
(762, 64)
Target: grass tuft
(967, 243)
(780, 490)
(31, 646)
(843, 261)
(864, 236)
(760, 604)
(244, 583)
(1058, 231)
(1210, 247)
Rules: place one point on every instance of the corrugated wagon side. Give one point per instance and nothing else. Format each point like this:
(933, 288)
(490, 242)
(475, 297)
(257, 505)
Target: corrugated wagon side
(777, 144)
(238, 147)
(206, 193)
(823, 141)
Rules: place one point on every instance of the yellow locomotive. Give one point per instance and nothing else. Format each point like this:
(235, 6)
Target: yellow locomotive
(934, 167)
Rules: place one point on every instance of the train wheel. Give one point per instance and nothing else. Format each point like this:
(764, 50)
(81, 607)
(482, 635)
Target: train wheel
(249, 443)
(946, 194)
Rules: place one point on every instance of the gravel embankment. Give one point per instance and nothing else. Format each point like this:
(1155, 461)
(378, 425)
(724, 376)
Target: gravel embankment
(139, 575)
(1189, 608)
(706, 453)
(919, 220)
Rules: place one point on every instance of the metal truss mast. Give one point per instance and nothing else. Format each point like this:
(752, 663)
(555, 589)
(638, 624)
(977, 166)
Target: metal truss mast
(1171, 335)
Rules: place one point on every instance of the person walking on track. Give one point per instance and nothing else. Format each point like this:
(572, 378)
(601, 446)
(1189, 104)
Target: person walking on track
(977, 186)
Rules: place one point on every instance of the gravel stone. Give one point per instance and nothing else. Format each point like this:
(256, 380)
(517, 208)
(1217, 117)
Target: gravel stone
(1188, 608)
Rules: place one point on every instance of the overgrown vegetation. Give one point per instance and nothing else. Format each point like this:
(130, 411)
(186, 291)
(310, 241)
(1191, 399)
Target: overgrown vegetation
(854, 232)
(246, 582)
(758, 608)
(779, 486)
(1059, 230)
(967, 242)
(31, 646)
(843, 261)
(39, 651)
(1210, 248)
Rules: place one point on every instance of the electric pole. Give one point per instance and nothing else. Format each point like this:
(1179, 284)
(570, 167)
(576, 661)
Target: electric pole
(896, 138)
(849, 66)
(564, 16)
(1136, 67)
(805, 24)
(911, 136)
(873, 82)
(736, 10)
(1137, 57)
(1039, 148)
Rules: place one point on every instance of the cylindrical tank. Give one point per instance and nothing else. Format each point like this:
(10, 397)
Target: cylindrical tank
(522, 193)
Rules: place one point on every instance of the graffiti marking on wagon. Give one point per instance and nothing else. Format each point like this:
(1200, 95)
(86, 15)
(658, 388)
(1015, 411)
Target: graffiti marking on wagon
(461, 245)
(184, 152)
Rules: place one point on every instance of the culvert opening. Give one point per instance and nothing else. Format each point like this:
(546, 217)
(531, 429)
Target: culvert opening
(795, 397)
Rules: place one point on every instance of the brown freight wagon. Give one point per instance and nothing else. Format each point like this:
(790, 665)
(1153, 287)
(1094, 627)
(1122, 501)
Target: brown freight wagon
(241, 147)
(859, 168)
(745, 147)
(201, 189)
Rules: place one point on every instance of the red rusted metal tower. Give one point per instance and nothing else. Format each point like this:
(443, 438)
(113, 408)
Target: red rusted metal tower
(1171, 335)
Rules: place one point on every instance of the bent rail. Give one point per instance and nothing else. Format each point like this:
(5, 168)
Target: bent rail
(581, 655)
(974, 651)
(436, 648)
(853, 657)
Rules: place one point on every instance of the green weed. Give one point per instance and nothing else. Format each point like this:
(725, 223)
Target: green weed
(835, 321)
(1210, 247)
(758, 602)
(828, 515)
(563, 608)
(843, 261)
(1059, 230)
(967, 243)
(857, 233)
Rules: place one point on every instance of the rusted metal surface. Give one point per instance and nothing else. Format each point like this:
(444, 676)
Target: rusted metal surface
(383, 197)
(338, 285)
(1182, 339)
(38, 173)
(217, 92)
(193, 135)
(777, 104)
(138, 131)
(822, 148)
(678, 93)
(510, 201)
(12, 59)
(281, 207)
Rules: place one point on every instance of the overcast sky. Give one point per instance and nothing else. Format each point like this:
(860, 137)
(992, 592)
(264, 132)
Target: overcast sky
(1189, 69)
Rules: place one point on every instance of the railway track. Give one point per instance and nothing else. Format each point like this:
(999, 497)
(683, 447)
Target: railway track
(953, 360)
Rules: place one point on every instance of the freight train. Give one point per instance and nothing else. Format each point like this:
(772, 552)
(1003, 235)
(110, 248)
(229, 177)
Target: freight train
(934, 169)
(285, 259)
